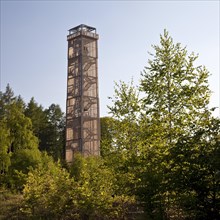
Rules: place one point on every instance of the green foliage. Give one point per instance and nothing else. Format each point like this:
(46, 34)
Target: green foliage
(53, 139)
(166, 140)
(125, 102)
(125, 110)
(107, 135)
(98, 197)
(49, 127)
(176, 92)
(95, 185)
(38, 118)
(18, 145)
(87, 194)
(194, 167)
(123, 155)
(175, 106)
(19, 151)
(6, 98)
(21, 134)
(4, 144)
(48, 191)
(18, 125)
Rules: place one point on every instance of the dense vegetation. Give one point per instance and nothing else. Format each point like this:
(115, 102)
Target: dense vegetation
(160, 151)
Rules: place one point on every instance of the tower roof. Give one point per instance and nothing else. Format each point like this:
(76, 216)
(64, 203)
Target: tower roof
(82, 27)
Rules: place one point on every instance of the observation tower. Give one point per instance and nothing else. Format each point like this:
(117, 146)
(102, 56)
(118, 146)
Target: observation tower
(82, 104)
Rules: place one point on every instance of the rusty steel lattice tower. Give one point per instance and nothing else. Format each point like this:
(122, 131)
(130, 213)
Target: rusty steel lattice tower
(82, 106)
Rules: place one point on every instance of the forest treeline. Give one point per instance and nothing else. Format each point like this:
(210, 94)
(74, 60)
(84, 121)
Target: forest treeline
(160, 150)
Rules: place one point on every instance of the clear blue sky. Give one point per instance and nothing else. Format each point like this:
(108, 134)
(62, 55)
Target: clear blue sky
(34, 46)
